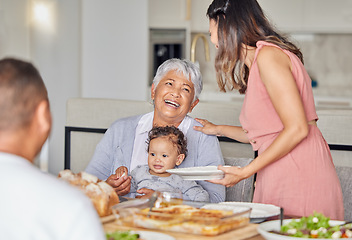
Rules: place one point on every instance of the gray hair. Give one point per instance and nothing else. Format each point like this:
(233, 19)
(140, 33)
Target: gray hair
(184, 66)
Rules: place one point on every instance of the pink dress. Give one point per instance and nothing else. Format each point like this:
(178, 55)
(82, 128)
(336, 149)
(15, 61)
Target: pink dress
(304, 180)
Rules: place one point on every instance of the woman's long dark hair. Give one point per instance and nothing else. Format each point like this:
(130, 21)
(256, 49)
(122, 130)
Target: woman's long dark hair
(241, 22)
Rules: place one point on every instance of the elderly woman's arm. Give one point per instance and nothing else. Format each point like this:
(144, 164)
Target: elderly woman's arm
(108, 155)
(102, 160)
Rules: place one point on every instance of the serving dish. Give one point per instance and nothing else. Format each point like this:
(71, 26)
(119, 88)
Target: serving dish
(265, 228)
(260, 211)
(182, 218)
(198, 173)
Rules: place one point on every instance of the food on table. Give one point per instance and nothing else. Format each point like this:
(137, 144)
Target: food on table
(122, 235)
(186, 219)
(101, 194)
(315, 226)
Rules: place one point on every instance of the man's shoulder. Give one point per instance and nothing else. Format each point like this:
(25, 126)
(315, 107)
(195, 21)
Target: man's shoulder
(43, 188)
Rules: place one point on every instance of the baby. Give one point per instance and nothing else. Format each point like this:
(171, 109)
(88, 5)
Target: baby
(167, 148)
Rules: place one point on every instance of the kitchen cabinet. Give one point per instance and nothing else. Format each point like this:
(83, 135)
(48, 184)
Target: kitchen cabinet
(286, 15)
(168, 14)
(328, 16)
(199, 20)
(313, 16)
(186, 14)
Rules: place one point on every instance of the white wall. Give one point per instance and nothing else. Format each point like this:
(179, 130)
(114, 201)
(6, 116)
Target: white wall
(14, 31)
(56, 52)
(94, 48)
(114, 49)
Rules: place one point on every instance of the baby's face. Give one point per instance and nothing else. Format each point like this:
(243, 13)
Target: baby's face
(162, 155)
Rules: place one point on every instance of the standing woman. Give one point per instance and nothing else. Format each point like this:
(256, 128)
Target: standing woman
(294, 165)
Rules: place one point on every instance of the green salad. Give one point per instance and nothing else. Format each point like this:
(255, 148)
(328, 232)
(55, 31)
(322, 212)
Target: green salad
(122, 235)
(316, 226)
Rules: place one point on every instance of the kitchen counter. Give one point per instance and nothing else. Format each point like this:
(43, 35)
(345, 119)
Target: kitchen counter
(325, 98)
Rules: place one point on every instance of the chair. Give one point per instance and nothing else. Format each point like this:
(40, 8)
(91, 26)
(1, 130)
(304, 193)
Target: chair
(87, 120)
(242, 191)
(226, 113)
(335, 125)
(345, 176)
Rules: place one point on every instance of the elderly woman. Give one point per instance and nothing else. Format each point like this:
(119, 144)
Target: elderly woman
(175, 90)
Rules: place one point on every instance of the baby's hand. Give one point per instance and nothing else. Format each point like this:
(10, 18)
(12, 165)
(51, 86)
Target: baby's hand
(144, 193)
(121, 171)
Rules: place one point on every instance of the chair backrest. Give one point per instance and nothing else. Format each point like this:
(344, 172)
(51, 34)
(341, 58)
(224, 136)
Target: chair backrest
(225, 113)
(242, 191)
(345, 176)
(86, 121)
(335, 125)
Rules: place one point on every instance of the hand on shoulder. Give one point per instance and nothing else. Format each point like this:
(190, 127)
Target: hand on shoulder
(208, 127)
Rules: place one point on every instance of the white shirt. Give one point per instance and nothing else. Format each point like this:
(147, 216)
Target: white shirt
(145, 124)
(36, 205)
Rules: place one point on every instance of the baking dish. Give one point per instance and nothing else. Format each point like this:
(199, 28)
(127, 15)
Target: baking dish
(186, 217)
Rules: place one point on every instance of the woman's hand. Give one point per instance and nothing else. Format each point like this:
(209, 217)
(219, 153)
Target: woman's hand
(120, 181)
(208, 127)
(121, 171)
(233, 175)
(147, 193)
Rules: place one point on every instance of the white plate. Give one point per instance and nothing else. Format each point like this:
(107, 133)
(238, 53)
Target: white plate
(260, 211)
(198, 173)
(146, 235)
(265, 227)
(234, 209)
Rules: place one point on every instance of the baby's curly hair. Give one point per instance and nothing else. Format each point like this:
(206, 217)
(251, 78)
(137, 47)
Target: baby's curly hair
(175, 135)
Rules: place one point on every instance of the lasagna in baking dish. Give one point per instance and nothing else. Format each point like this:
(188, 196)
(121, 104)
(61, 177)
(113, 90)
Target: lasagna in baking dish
(188, 219)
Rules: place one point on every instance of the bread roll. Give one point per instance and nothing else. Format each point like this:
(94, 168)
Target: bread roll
(102, 194)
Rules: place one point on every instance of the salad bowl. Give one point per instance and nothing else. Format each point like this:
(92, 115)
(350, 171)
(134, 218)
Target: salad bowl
(270, 230)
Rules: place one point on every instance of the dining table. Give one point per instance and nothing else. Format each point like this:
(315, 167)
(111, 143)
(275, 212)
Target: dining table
(248, 232)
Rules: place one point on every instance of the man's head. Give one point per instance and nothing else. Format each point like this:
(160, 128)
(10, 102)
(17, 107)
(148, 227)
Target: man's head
(24, 105)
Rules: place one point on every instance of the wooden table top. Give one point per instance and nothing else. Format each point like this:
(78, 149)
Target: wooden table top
(248, 232)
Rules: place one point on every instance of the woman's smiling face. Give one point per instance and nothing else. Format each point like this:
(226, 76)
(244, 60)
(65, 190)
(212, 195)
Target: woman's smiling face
(173, 98)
